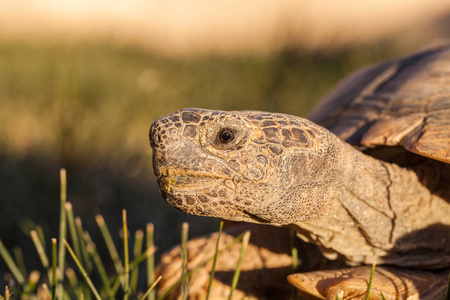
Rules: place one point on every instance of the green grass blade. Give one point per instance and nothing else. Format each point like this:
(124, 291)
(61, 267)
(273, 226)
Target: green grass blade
(72, 229)
(11, 264)
(150, 261)
(18, 256)
(92, 250)
(216, 254)
(137, 251)
(184, 281)
(85, 292)
(62, 235)
(41, 236)
(39, 248)
(199, 266)
(111, 247)
(84, 253)
(134, 264)
(54, 267)
(143, 256)
(150, 289)
(115, 284)
(340, 295)
(126, 288)
(237, 272)
(33, 280)
(294, 254)
(73, 282)
(83, 272)
(48, 293)
(370, 281)
(382, 296)
(294, 251)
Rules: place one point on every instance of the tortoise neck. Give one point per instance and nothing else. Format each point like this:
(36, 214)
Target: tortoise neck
(366, 197)
(366, 186)
(382, 210)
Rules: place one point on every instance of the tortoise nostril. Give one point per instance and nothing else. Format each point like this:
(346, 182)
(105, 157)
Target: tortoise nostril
(156, 131)
(152, 133)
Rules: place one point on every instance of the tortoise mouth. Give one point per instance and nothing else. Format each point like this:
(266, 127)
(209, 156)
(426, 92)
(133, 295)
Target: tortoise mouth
(188, 167)
(187, 180)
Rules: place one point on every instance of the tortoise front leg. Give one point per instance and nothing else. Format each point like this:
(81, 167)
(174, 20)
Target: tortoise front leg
(352, 283)
(267, 263)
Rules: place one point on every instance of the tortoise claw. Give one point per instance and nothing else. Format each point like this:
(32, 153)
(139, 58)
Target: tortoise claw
(394, 283)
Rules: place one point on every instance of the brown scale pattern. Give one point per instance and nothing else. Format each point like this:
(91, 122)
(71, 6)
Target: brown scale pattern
(261, 140)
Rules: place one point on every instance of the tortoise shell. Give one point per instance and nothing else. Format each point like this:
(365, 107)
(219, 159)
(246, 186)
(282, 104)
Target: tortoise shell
(402, 102)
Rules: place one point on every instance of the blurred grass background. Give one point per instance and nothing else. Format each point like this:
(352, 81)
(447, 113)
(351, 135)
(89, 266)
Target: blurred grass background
(87, 106)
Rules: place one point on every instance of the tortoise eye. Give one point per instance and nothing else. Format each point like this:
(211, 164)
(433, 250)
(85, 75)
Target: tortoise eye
(226, 135)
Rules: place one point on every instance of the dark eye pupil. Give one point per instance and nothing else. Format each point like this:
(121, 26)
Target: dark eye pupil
(226, 136)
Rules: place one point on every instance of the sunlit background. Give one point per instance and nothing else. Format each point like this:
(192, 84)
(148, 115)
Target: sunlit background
(81, 82)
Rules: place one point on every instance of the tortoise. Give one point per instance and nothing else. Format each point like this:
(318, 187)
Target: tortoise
(366, 177)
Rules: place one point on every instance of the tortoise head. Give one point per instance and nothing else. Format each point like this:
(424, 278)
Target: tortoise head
(244, 165)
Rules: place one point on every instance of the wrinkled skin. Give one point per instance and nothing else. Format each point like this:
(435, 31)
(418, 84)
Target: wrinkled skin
(284, 170)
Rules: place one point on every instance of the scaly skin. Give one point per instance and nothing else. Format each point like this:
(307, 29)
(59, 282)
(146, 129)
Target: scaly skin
(284, 170)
